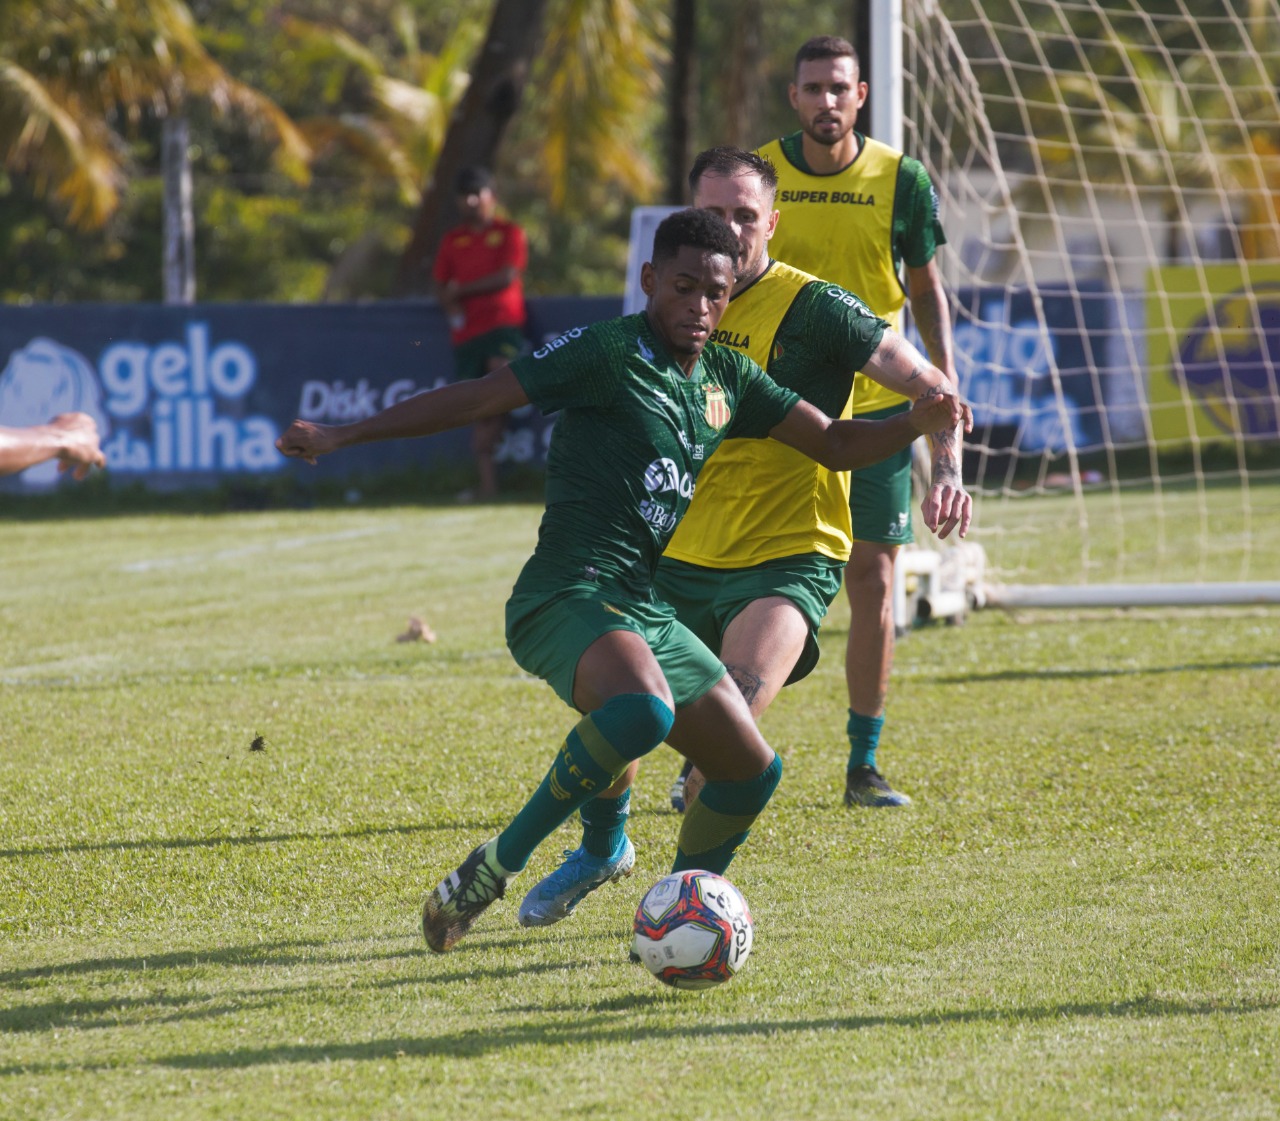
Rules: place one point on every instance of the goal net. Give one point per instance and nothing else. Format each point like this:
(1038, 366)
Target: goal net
(1109, 181)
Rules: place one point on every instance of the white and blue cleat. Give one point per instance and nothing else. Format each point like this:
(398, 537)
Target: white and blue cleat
(555, 896)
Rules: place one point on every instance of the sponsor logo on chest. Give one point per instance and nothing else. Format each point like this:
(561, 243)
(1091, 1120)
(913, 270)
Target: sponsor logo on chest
(731, 338)
(836, 198)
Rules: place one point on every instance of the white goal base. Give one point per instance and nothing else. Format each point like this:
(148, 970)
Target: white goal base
(1133, 595)
(931, 585)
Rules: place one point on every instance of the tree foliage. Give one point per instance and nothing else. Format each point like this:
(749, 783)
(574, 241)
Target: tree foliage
(363, 95)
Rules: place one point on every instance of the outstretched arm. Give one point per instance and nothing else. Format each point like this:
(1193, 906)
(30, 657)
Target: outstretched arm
(901, 367)
(450, 406)
(71, 438)
(846, 445)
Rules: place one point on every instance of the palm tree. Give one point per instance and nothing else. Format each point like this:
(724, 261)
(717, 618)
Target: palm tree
(390, 114)
(593, 69)
(596, 80)
(75, 75)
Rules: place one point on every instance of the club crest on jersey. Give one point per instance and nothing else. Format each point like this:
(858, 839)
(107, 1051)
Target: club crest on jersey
(717, 410)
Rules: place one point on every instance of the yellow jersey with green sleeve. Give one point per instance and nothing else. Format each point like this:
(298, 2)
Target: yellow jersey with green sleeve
(632, 437)
(856, 227)
(759, 500)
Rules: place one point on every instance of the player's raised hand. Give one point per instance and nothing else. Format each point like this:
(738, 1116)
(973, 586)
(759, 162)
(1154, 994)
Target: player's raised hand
(304, 440)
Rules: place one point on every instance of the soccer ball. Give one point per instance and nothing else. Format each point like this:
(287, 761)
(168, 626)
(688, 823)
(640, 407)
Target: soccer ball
(692, 930)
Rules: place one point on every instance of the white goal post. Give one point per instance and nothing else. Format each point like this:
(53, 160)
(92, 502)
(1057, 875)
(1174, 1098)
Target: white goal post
(1109, 183)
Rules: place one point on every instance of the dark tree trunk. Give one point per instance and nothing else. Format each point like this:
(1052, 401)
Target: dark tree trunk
(498, 78)
(684, 94)
(862, 44)
(746, 61)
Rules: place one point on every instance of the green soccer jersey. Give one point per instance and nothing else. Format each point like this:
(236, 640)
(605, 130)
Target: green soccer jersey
(826, 335)
(632, 435)
(761, 500)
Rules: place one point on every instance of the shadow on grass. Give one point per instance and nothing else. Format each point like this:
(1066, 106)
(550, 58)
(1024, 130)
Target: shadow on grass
(163, 1007)
(598, 1025)
(252, 838)
(260, 954)
(86, 1015)
(315, 952)
(266, 955)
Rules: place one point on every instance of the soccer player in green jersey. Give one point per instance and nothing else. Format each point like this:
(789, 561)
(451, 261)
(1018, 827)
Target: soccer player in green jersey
(758, 558)
(643, 403)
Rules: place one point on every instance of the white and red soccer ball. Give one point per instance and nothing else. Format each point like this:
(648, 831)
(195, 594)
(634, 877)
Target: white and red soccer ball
(692, 930)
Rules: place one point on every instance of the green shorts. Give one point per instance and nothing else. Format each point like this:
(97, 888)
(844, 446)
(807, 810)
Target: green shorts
(707, 600)
(547, 636)
(471, 359)
(880, 495)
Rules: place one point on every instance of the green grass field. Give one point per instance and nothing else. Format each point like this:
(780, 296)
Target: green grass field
(1079, 917)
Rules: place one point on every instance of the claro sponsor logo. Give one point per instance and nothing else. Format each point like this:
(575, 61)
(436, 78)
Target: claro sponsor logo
(559, 341)
(849, 300)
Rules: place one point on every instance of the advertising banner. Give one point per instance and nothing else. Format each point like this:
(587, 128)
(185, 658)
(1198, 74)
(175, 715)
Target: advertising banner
(1215, 351)
(184, 396)
(1034, 390)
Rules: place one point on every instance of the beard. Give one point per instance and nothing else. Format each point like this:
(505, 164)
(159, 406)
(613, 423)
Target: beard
(828, 138)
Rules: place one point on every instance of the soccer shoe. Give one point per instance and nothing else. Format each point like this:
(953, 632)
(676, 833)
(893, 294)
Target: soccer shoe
(452, 908)
(555, 896)
(865, 786)
(677, 794)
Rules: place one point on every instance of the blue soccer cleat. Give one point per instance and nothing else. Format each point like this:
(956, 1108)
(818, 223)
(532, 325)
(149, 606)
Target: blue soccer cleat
(555, 896)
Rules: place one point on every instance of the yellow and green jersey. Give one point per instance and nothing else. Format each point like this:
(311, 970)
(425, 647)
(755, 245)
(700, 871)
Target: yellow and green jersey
(632, 437)
(856, 227)
(759, 500)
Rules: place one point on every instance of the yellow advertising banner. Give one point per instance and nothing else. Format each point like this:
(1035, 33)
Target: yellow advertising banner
(1214, 351)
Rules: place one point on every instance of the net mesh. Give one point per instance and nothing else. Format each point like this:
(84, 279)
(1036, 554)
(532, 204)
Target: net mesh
(1109, 182)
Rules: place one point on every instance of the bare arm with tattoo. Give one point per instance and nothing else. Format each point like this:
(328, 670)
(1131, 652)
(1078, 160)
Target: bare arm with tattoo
(932, 316)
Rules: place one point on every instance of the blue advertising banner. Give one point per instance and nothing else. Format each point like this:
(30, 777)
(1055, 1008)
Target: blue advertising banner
(184, 396)
(187, 396)
(1040, 391)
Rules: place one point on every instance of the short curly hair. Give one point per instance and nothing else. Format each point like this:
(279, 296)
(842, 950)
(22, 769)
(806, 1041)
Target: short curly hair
(697, 228)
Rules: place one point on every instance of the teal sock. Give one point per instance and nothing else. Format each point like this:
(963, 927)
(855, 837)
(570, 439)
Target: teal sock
(592, 757)
(864, 738)
(604, 824)
(717, 824)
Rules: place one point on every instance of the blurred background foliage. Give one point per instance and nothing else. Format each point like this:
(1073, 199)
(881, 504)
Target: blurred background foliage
(315, 126)
(370, 86)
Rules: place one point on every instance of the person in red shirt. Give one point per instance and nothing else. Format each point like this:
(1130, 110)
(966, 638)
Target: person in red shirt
(478, 276)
